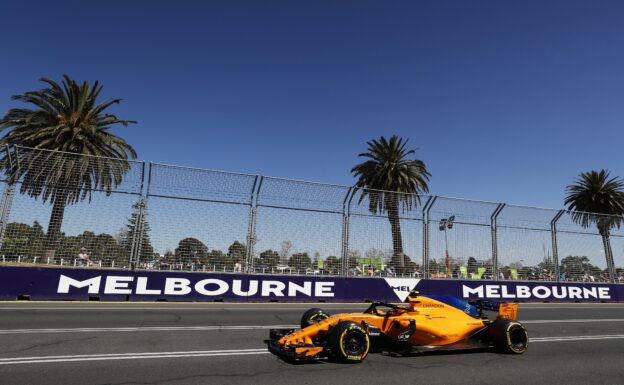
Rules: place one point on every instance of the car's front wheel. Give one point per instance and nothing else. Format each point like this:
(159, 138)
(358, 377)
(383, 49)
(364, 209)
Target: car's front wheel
(349, 342)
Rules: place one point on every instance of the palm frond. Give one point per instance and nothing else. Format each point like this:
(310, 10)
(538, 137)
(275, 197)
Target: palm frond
(66, 117)
(596, 199)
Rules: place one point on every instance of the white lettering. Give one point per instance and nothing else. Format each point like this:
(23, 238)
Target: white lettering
(523, 291)
(177, 286)
(293, 289)
(200, 287)
(237, 288)
(65, 282)
(477, 290)
(603, 293)
(545, 292)
(505, 294)
(574, 292)
(559, 291)
(323, 289)
(117, 285)
(142, 287)
(491, 291)
(273, 287)
(590, 292)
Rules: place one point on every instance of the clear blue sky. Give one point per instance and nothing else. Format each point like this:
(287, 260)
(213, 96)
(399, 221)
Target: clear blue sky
(506, 101)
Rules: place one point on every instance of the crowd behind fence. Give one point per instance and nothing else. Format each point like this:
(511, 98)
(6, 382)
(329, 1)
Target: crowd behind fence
(135, 215)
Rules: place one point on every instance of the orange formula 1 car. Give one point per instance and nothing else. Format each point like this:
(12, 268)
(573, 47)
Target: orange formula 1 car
(426, 323)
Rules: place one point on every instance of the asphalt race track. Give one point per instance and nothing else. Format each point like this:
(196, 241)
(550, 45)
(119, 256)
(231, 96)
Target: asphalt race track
(216, 343)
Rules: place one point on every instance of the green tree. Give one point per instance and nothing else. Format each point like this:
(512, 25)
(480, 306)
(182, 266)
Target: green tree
(332, 264)
(23, 240)
(237, 251)
(191, 250)
(390, 180)
(300, 261)
(106, 248)
(139, 210)
(66, 118)
(270, 258)
(576, 267)
(218, 260)
(597, 199)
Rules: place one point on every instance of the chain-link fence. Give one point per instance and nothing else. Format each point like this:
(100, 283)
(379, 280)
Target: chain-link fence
(75, 210)
(68, 209)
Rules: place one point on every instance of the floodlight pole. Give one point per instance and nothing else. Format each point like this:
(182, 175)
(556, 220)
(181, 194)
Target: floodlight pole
(553, 233)
(425, 215)
(445, 225)
(495, 214)
(344, 251)
(251, 229)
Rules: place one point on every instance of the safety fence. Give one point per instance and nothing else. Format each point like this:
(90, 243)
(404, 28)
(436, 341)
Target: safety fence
(83, 211)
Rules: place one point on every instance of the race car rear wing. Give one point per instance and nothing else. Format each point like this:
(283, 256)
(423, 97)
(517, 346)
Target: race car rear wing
(504, 309)
(508, 310)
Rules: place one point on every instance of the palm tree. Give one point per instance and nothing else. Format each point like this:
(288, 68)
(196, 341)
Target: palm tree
(595, 198)
(66, 118)
(389, 179)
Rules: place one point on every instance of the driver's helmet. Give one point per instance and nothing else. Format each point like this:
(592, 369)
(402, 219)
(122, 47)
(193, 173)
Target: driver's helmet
(412, 296)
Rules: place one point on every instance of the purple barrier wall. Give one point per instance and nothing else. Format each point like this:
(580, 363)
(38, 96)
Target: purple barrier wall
(51, 283)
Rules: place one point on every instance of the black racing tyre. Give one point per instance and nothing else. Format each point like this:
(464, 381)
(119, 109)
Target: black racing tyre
(349, 342)
(313, 316)
(508, 336)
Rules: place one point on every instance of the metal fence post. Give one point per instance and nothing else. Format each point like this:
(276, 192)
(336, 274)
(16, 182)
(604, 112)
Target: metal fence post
(7, 197)
(137, 236)
(553, 233)
(251, 229)
(495, 214)
(425, 215)
(344, 252)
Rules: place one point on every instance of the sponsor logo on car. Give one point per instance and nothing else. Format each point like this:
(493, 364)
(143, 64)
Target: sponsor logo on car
(423, 305)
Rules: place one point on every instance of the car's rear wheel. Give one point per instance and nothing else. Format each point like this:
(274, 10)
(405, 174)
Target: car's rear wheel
(508, 336)
(349, 342)
(313, 316)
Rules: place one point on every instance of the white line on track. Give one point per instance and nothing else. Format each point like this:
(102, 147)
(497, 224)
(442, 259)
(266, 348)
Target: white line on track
(130, 356)
(585, 320)
(147, 329)
(240, 327)
(577, 338)
(223, 353)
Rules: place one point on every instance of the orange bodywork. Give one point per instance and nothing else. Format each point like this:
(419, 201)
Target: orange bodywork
(436, 324)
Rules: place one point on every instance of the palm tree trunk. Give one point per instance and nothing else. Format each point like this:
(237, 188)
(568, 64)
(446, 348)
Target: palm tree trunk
(606, 242)
(397, 239)
(54, 227)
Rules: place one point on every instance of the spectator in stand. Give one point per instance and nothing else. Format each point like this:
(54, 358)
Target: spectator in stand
(238, 266)
(83, 257)
(371, 271)
(389, 272)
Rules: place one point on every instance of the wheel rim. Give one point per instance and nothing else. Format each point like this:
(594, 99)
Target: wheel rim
(354, 344)
(517, 337)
